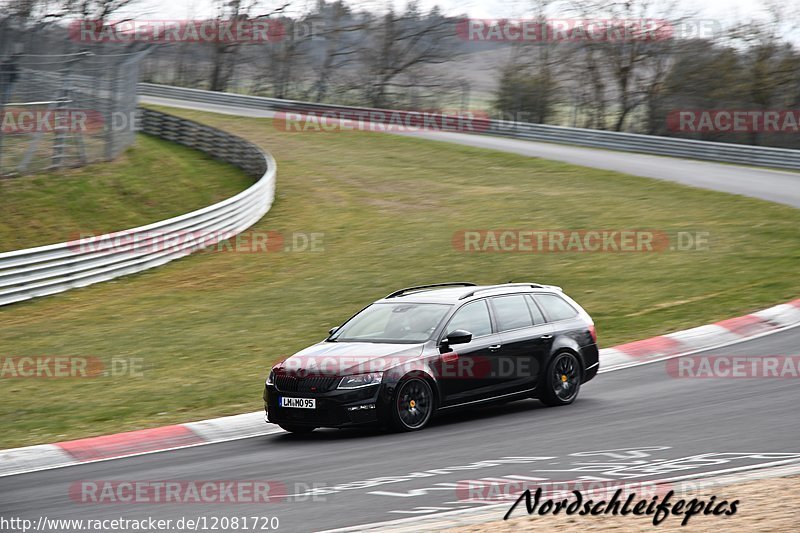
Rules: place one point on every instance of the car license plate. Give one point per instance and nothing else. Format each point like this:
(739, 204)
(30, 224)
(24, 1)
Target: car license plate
(297, 403)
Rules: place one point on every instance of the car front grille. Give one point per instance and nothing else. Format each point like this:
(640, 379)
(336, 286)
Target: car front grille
(289, 383)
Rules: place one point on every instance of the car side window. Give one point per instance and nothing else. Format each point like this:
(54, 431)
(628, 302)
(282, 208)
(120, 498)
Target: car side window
(512, 312)
(473, 317)
(538, 317)
(555, 307)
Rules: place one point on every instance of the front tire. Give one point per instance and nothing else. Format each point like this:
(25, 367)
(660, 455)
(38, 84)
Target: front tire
(412, 406)
(297, 429)
(561, 381)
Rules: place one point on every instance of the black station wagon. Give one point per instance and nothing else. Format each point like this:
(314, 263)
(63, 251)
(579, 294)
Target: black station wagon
(425, 350)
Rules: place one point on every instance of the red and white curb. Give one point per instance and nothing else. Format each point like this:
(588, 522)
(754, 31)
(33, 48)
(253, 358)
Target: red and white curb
(132, 443)
(702, 338)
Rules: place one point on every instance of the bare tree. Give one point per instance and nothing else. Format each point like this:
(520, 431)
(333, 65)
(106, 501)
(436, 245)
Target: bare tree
(339, 31)
(769, 62)
(225, 55)
(42, 11)
(530, 85)
(634, 58)
(397, 44)
(97, 10)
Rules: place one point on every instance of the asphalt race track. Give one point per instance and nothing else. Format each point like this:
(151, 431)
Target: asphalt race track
(632, 425)
(660, 426)
(781, 186)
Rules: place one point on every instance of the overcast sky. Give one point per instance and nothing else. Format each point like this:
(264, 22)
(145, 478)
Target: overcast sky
(716, 14)
(725, 10)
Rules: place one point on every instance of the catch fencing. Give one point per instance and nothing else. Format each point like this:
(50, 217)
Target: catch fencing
(65, 110)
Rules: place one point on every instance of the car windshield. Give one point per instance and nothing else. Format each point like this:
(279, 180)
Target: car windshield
(405, 323)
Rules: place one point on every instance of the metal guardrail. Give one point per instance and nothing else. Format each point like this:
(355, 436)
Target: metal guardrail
(34, 272)
(608, 140)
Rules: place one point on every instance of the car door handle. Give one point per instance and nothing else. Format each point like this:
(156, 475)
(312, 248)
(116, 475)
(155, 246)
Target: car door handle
(495, 347)
(546, 337)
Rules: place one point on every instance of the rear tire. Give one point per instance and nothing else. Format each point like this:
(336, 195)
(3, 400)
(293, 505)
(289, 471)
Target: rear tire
(561, 381)
(412, 405)
(297, 429)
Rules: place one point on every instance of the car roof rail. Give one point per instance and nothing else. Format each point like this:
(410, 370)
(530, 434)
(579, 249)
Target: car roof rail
(503, 285)
(401, 292)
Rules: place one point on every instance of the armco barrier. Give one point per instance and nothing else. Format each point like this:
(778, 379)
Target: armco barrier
(609, 140)
(34, 272)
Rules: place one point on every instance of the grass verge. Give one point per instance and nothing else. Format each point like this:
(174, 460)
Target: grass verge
(206, 328)
(151, 181)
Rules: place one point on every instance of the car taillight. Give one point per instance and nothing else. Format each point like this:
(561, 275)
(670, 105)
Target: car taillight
(593, 332)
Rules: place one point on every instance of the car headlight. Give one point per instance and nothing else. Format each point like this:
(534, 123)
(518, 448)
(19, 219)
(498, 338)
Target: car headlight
(271, 378)
(360, 380)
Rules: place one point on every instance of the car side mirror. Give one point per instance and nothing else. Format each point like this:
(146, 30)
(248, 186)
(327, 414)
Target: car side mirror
(333, 330)
(458, 336)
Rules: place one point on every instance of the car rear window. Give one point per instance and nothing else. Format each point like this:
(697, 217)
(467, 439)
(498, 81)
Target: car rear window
(512, 312)
(538, 317)
(555, 307)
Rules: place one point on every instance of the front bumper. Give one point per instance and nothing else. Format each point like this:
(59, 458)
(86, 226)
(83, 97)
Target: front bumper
(336, 408)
